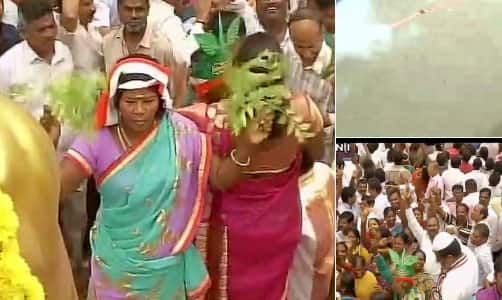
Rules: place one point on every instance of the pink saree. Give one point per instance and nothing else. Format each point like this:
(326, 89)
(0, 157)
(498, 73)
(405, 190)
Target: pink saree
(254, 228)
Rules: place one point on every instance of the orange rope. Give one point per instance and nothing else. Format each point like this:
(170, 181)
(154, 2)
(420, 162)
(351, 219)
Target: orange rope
(434, 8)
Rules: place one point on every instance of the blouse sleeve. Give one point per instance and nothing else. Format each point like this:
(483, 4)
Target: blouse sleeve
(83, 154)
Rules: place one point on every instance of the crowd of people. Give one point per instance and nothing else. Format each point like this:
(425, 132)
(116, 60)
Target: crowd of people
(168, 200)
(419, 221)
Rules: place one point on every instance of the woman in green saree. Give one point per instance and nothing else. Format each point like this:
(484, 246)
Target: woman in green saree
(152, 167)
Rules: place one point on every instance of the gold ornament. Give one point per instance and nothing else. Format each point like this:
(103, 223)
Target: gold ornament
(29, 175)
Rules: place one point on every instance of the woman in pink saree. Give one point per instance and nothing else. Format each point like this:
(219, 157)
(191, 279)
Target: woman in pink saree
(254, 227)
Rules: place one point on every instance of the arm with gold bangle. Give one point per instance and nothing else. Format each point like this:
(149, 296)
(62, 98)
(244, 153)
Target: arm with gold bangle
(225, 172)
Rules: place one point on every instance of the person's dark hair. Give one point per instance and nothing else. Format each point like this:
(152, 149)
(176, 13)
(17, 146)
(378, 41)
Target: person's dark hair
(438, 147)
(355, 232)
(380, 174)
(372, 147)
(381, 295)
(457, 146)
(419, 251)
(374, 184)
(425, 175)
(494, 179)
(347, 284)
(390, 155)
(32, 10)
(464, 206)
(340, 163)
(442, 158)
(347, 193)
(368, 199)
(477, 163)
(455, 162)
(393, 190)
(498, 265)
(305, 13)
(119, 2)
(483, 153)
(325, 4)
(347, 215)
(362, 181)
(482, 229)
(398, 158)
(369, 173)
(471, 149)
(486, 190)
(405, 237)
(498, 167)
(367, 164)
(466, 154)
(358, 261)
(338, 244)
(489, 164)
(453, 249)
(253, 45)
(471, 185)
(384, 232)
(387, 211)
(456, 187)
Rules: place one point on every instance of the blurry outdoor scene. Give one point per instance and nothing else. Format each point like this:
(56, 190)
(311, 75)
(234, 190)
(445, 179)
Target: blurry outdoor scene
(418, 68)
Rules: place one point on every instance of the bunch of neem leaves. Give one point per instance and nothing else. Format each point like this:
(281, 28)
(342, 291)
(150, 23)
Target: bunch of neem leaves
(73, 99)
(254, 86)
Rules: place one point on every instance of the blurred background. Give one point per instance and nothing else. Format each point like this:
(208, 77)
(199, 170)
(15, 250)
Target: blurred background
(419, 68)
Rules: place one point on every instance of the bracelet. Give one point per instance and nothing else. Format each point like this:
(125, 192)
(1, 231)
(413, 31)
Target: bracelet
(240, 164)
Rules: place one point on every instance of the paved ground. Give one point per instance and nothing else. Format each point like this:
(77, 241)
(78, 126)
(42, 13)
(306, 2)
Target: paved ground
(439, 74)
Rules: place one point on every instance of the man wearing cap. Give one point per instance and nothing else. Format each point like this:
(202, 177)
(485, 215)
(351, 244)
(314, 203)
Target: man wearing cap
(459, 269)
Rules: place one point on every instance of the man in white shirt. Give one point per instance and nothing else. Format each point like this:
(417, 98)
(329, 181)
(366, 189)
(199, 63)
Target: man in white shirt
(27, 68)
(471, 197)
(381, 201)
(273, 16)
(459, 269)
(305, 28)
(482, 251)
(423, 237)
(376, 155)
(80, 35)
(349, 202)
(493, 149)
(493, 220)
(435, 181)
(438, 148)
(452, 176)
(476, 174)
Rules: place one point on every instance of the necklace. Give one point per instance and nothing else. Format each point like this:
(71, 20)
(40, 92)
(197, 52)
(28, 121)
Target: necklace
(123, 139)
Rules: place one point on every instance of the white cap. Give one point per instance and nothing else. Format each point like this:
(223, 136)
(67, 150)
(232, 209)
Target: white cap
(442, 240)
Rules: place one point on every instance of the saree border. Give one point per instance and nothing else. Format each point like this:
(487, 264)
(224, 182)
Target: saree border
(80, 160)
(203, 175)
(201, 290)
(127, 156)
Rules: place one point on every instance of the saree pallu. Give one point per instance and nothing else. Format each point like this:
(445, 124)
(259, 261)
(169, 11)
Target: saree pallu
(152, 202)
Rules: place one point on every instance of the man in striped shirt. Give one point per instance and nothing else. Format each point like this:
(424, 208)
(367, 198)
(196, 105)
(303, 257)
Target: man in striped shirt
(459, 221)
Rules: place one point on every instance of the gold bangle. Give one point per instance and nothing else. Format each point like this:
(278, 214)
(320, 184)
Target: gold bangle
(240, 164)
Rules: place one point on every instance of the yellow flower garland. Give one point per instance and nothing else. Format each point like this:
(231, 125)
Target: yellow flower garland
(16, 280)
